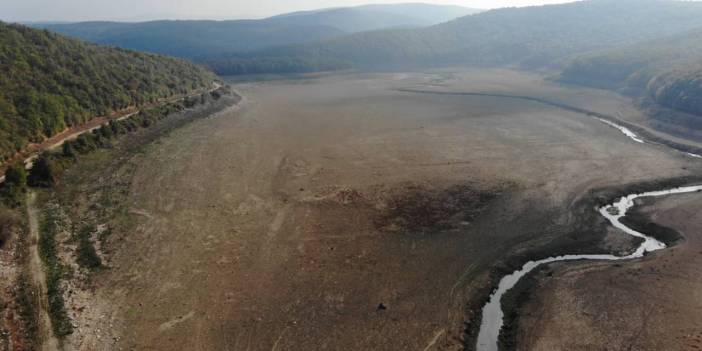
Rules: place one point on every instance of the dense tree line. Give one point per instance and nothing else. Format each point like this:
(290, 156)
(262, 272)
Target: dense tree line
(50, 165)
(50, 82)
(273, 65)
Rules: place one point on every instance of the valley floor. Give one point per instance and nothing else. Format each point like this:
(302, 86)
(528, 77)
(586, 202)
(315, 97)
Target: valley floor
(341, 213)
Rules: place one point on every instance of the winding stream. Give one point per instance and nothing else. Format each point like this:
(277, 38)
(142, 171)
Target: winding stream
(492, 312)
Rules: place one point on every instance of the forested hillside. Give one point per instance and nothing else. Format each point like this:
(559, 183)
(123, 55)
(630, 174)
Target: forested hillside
(194, 39)
(206, 39)
(50, 82)
(530, 37)
(632, 67)
(374, 17)
(679, 89)
(668, 71)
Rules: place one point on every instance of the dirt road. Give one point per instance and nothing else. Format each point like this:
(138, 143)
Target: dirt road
(36, 268)
(32, 151)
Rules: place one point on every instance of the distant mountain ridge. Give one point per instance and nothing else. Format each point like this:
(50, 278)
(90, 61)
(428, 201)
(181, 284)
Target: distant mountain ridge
(195, 39)
(191, 39)
(537, 36)
(377, 16)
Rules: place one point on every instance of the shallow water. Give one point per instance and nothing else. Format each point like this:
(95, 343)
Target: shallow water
(492, 312)
(626, 131)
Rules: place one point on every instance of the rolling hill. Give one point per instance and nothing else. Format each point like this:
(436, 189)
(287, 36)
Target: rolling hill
(667, 71)
(531, 37)
(200, 39)
(375, 17)
(51, 82)
(679, 88)
(191, 39)
(631, 67)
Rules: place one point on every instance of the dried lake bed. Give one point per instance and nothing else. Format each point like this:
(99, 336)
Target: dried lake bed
(341, 212)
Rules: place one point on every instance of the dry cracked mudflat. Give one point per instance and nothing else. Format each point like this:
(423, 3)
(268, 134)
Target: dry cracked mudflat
(338, 213)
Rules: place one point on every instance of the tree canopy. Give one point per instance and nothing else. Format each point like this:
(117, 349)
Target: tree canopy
(50, 82)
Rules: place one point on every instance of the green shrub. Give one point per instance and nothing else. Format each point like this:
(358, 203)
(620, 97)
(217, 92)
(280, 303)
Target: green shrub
(87, 256)
(68, 150)
(54, 273)
(16, 175)
(9, 223)
(13, 189)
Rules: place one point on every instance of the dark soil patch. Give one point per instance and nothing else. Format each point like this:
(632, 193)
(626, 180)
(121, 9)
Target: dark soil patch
(513, 300)
(417, 209)
(639, 221)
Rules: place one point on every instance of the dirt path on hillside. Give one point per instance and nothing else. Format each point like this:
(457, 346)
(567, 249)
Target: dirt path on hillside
(36, 269)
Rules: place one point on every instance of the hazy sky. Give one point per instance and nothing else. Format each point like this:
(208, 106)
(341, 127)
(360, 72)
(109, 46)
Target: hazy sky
(81, 10)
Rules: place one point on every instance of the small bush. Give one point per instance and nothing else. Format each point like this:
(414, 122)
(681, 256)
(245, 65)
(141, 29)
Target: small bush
(27, 305)
(87, 256)
(45, 172)
(117, 128)
(190, 102)
(9, 222)
(54, 273)
(69, 150)
(12, 196)
(12, 190)
(86, 142)
(16, 175)
(105, 131)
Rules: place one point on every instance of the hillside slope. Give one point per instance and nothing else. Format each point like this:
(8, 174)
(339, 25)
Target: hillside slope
(191, 39)
(667, 71)
(375, 17)
(529, 37)
(679, 89)
(198, 39)
(632, 67)
(50, 82)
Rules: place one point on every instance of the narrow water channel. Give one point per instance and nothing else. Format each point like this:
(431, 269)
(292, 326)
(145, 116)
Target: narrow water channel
(492, 312)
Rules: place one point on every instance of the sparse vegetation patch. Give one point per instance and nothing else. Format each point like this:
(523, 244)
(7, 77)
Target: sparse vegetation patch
(48, 249)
